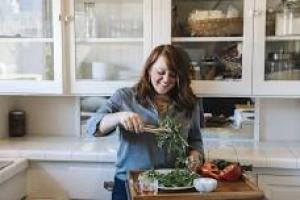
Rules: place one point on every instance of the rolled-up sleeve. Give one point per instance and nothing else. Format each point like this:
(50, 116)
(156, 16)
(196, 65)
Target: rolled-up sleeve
(195, 137)
(112, 105)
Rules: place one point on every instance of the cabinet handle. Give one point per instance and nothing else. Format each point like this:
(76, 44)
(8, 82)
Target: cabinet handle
(108, 185)
(257, 13)
(68, 18)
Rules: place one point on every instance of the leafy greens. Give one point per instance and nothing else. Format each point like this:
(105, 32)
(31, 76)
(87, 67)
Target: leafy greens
(173, 178)
(172, 139)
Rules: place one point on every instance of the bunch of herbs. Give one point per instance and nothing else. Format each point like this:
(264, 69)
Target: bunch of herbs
(172, 139)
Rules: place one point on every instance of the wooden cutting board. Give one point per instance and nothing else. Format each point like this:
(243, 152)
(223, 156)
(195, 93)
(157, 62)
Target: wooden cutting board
(242, 189)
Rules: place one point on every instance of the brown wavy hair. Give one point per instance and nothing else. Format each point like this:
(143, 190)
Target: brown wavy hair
(178, 62)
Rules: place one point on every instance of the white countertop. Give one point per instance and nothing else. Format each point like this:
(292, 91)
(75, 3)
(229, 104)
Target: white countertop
(104, 149)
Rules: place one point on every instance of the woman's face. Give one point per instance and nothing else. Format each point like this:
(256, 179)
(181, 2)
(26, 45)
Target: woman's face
(162, 79)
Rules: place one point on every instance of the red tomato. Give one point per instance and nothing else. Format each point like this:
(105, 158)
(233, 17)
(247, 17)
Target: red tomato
(232, 172)
(210, 170)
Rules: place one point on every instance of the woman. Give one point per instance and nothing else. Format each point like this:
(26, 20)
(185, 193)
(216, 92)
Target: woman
(164, 89)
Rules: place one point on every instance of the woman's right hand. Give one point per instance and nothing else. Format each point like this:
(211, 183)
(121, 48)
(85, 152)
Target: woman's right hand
(131, 121)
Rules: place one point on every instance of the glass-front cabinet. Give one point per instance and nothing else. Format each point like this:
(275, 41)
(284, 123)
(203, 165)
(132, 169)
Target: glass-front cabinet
(109, 41)
(237, 47)
(277, 48)
(217, 34)
(30, 47)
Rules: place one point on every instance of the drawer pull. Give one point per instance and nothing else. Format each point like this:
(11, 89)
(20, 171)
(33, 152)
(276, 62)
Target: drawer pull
(108, 185)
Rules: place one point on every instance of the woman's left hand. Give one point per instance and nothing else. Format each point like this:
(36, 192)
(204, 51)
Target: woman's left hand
(193, 160)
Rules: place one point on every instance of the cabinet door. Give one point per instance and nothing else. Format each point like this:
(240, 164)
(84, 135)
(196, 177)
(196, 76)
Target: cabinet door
(69, 180)
(30, 47)
(277, 48)
(109, 41)
(280, 187)
(87, 182)
(218, 37)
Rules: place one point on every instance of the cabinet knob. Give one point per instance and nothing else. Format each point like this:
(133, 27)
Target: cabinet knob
(255, 13)
(69, 18)
(108, 185)
(258, 13)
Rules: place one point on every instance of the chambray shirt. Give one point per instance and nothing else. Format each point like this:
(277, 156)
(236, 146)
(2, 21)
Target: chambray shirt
(140, 151)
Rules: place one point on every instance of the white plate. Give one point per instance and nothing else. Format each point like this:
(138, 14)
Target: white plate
(174, 188)
(166, 171)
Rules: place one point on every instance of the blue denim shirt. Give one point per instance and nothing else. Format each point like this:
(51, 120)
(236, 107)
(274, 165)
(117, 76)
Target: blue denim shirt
(140, 151)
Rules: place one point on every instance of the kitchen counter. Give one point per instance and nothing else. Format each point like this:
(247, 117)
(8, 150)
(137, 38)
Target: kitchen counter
(92, 149)
(260, 154)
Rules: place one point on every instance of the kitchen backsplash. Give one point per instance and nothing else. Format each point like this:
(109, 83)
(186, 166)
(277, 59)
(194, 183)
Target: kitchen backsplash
(45, 115)
(277, 119)
(223, 117)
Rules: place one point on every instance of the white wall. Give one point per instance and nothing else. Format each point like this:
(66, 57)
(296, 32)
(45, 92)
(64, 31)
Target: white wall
(280, 120)
(5, 106)
(60, 116)
(50, 116)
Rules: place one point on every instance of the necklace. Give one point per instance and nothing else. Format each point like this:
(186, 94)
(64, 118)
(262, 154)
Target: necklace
(162, 103)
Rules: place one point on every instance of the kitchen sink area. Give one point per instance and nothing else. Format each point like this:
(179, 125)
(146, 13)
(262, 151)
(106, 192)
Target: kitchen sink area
(13, 178)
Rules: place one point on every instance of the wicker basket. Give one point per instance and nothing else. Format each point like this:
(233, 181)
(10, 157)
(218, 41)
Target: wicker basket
(233, 69)
(216, 27)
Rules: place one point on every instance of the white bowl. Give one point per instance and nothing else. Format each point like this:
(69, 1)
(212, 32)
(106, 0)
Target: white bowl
(205, 184)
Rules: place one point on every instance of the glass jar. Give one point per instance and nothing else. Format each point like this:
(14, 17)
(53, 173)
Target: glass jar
(270, 22)
(90, 19)
(17, 123)
(196, 71)
(288, 18)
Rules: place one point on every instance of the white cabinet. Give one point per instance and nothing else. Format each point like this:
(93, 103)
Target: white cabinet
(109, 41)
(69, 180)
(276, 61)
(276, 187)
(14, 188)
(268, 43)
(218, 37)
(30, 47)
(104, 45)
(237, 47)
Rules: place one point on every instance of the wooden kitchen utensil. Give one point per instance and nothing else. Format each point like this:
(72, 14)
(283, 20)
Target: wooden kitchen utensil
(155, 130)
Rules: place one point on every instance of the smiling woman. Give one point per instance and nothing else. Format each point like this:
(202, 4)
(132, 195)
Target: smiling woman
(163, 90)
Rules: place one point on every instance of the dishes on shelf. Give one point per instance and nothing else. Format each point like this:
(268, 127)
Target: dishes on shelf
(284, 75)
(102, 71)
(37, 77)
